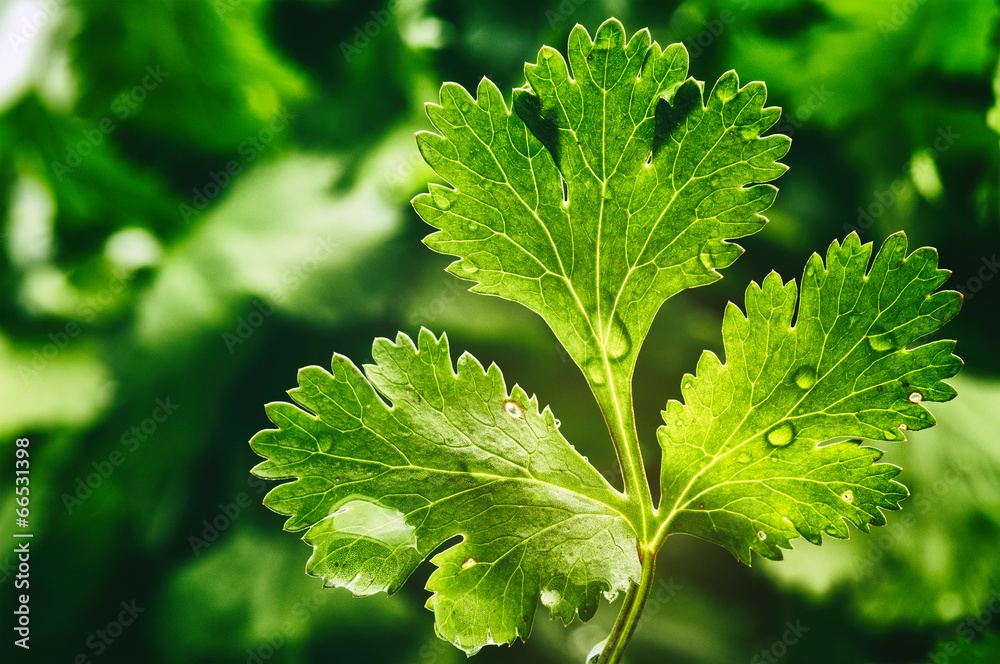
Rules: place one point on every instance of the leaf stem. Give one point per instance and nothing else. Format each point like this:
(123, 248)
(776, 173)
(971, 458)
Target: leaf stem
(613, 391)
(628, 617)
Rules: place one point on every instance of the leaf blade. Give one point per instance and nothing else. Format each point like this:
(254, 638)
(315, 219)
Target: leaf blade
(602, 191)
(381, 487)
(843, 370)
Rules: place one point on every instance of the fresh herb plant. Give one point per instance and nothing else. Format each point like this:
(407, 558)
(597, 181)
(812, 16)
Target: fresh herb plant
(610, 185)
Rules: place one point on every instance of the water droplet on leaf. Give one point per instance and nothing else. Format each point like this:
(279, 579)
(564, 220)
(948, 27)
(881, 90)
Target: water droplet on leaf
(468, 563)
(903, 427)
(781, 434)
(916, 397)
(744, 458)
(761, 535)
(848, 496)
(594, 655)
(513, 409)
(707, 259)
(881, 343)
(805, 378)
(550, 597)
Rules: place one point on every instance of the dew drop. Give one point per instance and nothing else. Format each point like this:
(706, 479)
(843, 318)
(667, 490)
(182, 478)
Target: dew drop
(903, 427)
(805, 378)
(469, 267)
(781, 434)
(881, 343)
(472, 226)
(550, 597)
(586, 459)
(744, 458)
(336, 480)
(513, 409)
(468, 563)
(848, 496)
(677, 423)
(442, 202)
(761, 535)
(609, 595)
(916, 397)
(557, 423)
(830, 530)
(707, 259)
(687, 383)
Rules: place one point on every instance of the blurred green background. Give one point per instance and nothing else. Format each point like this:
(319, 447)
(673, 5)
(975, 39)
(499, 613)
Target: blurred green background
(197, 197)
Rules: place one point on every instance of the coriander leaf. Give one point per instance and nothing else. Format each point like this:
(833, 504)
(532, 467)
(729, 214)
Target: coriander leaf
(610, 189)
(746, 462)
(381, 487)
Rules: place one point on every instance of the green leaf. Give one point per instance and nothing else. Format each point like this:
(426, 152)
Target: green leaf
(609, 190)
(747, 461)
(382, 487)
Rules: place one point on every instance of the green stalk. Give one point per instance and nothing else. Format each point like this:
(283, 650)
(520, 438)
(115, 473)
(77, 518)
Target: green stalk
(628, 617)
(613, 391)
(614, 396)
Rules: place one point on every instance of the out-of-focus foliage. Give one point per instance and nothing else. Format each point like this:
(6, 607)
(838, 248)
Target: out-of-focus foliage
(199, 196)
(940, 552)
